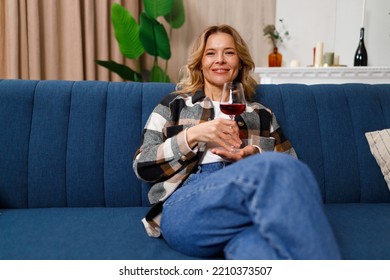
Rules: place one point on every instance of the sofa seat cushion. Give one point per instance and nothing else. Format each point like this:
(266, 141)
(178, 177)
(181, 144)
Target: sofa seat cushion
(79, 233)
(362, 229)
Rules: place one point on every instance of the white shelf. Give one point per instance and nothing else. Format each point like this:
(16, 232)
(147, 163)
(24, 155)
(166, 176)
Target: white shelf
(323, 75)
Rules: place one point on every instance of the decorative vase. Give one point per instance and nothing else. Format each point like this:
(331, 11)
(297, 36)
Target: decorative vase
(275, 58)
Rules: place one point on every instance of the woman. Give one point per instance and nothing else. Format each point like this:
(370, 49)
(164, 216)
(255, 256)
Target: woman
(210, 200)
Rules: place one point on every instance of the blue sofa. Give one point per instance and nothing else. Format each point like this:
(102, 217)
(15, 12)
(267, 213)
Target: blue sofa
(68, 191)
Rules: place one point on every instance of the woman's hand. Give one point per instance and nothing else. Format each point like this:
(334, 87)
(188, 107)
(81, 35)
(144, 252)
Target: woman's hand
(237, 155)
(224, 133)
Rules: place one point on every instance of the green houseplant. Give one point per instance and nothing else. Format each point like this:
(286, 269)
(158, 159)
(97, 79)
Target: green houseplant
(274, 35)
(149, 36)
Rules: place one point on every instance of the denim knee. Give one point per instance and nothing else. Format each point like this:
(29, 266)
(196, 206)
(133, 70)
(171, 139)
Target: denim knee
(277, 163)
(277, 159)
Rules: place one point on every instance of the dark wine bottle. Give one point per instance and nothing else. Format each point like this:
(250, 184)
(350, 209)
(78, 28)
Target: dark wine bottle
(361, 52)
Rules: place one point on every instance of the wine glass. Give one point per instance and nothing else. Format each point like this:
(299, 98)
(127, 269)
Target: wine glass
(233, 99)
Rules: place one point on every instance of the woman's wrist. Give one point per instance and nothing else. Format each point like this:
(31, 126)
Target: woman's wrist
(192, 143)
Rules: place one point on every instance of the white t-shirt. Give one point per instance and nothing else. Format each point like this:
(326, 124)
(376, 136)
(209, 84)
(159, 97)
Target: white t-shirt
(208, 156)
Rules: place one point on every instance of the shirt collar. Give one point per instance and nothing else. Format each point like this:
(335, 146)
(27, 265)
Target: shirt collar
(199, 95)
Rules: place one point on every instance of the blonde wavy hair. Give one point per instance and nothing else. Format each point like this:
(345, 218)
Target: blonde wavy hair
(193, 81)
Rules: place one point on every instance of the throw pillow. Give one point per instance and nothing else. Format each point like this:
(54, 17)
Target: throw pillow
(379, 142)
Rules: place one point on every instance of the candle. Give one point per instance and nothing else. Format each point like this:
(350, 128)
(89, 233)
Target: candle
(363, 12)
(336, 60)
(328, 59)
(314, 56)
(319, 54)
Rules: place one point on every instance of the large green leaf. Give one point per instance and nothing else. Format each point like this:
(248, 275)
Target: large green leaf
(122, 70)
(176, 17)
(126, 32)
(156, 8)
(154, 37)
(158, 75)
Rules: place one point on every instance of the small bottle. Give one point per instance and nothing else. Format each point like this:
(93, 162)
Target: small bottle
(361, 52)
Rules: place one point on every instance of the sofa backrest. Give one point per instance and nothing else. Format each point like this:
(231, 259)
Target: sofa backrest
(66, 143)
(71, 144)
(326, 125)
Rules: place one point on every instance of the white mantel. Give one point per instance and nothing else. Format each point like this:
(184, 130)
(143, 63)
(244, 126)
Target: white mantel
(323, 75)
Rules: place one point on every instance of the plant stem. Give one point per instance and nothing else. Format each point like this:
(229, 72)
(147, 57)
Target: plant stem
(139, 66)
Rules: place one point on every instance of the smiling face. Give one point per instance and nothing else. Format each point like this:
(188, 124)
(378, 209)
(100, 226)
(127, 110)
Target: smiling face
(220, 62)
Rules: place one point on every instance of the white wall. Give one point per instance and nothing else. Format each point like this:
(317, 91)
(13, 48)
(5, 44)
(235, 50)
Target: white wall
(336, 23)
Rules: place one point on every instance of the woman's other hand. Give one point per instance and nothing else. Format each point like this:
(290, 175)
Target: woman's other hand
(236, 155)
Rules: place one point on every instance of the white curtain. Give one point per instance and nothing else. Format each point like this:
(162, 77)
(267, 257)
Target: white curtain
(58, 39)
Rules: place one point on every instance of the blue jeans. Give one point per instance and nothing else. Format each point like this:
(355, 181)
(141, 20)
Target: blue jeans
(266, 206)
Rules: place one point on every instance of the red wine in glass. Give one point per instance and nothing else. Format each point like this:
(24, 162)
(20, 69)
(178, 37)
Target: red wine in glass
(232, 109)
(233, 99)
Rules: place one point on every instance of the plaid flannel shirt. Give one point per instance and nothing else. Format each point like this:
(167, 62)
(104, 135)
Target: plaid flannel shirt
(164, 157)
